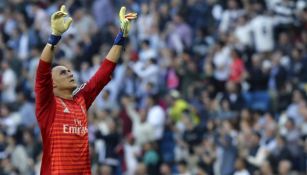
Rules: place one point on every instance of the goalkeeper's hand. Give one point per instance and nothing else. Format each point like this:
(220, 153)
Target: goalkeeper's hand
(125, 20)
(60, 22)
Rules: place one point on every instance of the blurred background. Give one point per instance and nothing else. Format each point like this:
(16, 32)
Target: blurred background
(204, 87)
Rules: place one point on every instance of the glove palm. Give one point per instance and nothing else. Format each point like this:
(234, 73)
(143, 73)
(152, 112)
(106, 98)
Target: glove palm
(125, 20)
(58, 22)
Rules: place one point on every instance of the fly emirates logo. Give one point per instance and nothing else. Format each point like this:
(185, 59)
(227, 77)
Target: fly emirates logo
(77, 128)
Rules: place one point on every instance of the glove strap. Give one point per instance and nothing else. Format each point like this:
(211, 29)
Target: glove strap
(120, 39)
(53, 39)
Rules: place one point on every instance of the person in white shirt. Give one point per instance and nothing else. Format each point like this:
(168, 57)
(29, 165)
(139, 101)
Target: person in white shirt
(222, 61)
(262, 29)
(145, 22)
(142, 130)
(285, 11)
(8, 83)
(242, 33)
(148, 73)
(147, 52)
(156, 116)
(131, 153)
(232, 13)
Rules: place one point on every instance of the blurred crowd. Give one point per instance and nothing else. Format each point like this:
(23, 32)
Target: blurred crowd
(204, 87)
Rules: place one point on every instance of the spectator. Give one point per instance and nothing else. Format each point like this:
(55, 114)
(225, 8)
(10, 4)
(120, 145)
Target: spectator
(105, 102)
(40, 20)
(278, 73)
(241, 168)
(104, 170)
(26, 111)
(148, 73)
(266, 169)
(228, 148)
(155, 116)
(19, 155)
(84, 24)
(151, 158)
(9, 120)
(298, 61)
(141, 169)
(145, 22)
(262, 27)
(182, 168)
(292, 136)
(111, 141)
(132, 152)
(232, 96)
(142, 130)
(243, 33)
(260, 82)
(257, 153)
(284, 11)
(232, 12)
(280, 153)
(9, 83)
(14, 63)
(237, 68)
(105, 9)
(165, 169)
(221, 61)
(207, 155)
(293, 109)
(180, 34)
(284, 167)
(147, 52)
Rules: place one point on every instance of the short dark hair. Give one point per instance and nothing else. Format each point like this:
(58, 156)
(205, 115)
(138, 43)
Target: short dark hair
(154, 98)
(256, 133)
(53, 65)
(146, 42)
(182, 162)
(153, 60)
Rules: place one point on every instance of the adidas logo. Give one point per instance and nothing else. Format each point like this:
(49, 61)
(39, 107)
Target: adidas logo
(66, 110)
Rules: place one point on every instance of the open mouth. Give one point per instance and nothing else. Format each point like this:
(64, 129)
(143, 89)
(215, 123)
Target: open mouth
(72, 80)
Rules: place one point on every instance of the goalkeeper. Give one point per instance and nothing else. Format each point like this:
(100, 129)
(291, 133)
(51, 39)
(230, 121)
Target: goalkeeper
(61, 107)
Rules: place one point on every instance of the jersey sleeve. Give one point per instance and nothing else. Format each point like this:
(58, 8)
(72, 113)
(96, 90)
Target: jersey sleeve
(92, 88)
(44, 100)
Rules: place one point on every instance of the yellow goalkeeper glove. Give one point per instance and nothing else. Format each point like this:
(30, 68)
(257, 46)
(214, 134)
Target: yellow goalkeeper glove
(124, 26)
(58, 22)
(125, 20)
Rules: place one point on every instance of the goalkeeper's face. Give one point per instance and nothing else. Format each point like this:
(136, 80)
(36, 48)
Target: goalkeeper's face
(63, 78)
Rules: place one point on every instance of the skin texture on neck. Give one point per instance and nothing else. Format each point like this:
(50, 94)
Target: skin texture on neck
(65, 94)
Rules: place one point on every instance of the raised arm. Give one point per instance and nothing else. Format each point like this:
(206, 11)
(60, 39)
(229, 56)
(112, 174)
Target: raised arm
(92, 88)
(59, 24)
(43, 81)
(119, 41)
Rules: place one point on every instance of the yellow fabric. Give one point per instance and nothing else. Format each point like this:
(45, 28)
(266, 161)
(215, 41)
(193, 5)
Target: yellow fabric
(59, 24)
(177, 109)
